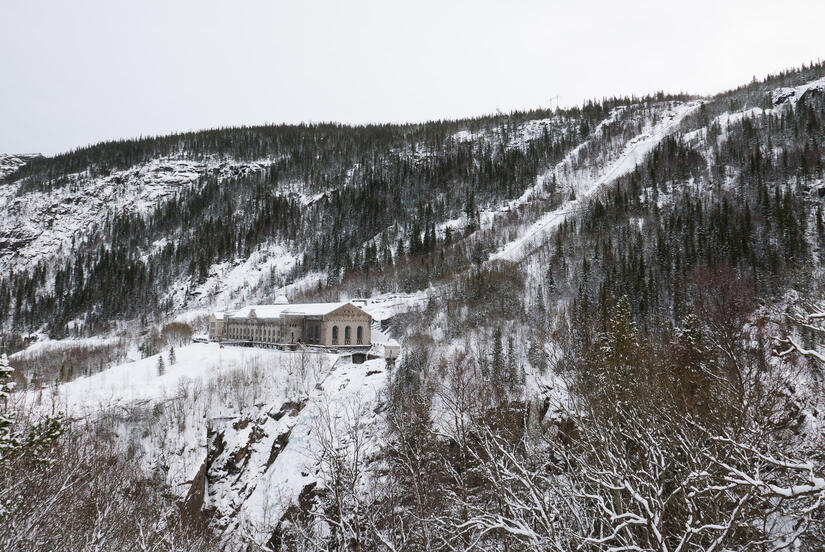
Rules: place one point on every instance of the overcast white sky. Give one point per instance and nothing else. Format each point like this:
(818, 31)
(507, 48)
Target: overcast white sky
(74, 73)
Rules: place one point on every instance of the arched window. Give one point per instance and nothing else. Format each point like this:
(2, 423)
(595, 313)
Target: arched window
(347, 335)
(335, 335)
(359, 335)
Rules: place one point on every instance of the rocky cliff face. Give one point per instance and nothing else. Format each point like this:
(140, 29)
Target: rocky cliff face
(11, 162)
(264, 463)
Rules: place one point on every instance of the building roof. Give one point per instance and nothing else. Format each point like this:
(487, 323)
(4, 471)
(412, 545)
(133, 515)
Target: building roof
(278, 310)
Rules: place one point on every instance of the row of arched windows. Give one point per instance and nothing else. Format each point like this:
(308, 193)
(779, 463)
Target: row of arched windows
(359, 335)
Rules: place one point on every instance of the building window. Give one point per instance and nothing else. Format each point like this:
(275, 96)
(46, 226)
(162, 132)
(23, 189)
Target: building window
(347, 335)
(359, 335)
(335, 335)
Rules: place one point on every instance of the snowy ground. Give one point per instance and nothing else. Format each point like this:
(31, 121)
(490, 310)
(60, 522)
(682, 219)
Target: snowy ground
(140, 381)
(263, 404)
(347, 395)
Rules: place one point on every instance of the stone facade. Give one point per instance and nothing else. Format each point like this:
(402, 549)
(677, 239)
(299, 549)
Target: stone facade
(347, 325)
(215, 326)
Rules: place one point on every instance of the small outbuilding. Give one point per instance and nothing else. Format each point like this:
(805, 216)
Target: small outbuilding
(392, 349)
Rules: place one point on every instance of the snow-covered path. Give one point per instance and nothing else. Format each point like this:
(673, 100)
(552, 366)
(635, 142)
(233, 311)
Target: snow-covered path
(634, 152)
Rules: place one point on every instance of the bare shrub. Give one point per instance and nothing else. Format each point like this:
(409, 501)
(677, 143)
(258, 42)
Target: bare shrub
(68, 361)
(88, 496)
(177, 333)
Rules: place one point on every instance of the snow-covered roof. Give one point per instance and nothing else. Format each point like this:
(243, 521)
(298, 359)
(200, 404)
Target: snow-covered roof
(218, 315)
(278, 310)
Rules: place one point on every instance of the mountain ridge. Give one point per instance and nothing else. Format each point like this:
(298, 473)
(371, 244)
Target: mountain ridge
(640, 261)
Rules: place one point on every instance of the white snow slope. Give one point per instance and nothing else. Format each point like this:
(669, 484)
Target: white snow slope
(586, 184)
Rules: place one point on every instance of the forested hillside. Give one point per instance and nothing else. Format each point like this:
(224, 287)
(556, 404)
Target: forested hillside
(611, 320)
(340, 199)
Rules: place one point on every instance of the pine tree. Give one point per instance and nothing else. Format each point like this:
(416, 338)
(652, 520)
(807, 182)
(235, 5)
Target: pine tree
(551, 283)
(470, 212)
(513, 376)
(406, 381)
(12, 443)
(399, 251)
(9, 440)
(161, 365)
(498, 357)
(541, 312)
(620, 351)
(172, 358)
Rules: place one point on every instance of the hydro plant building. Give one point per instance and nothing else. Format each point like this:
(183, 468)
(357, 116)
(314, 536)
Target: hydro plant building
(282, 324)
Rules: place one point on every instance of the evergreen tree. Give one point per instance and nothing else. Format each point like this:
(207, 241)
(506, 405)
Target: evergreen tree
(14, 444)
(551, 283)
(537, 357)
(399, 251)
(470, 212)
(541, 313)
(498, 367)
(619, 354)
(161, 365)
(513, 376)
(172, 358)
(9, 440)
(406, 381)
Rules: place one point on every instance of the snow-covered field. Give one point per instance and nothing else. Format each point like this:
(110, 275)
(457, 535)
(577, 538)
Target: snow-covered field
(140, 381)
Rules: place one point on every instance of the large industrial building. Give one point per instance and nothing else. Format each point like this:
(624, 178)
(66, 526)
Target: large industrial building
(340, 324)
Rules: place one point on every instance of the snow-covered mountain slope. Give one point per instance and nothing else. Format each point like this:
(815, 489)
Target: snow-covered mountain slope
(585, 182)
(235, 431)
(11, 162)
(232, 430)
(65, 215)
(41, 225)
(794, 94)
(229, 284)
